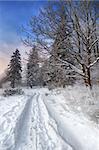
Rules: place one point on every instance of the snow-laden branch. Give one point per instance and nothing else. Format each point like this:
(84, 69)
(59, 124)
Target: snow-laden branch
(93, 62)
(80, 72)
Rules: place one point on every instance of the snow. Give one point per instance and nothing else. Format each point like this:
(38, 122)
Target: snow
(22, 126)
(10, 109)
(49, 120)
(75, 131)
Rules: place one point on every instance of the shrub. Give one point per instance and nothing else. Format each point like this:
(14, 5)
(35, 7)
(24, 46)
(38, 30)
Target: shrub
(10, 92)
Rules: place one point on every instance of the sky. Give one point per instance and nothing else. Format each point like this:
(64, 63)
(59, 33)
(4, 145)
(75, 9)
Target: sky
(14, 15)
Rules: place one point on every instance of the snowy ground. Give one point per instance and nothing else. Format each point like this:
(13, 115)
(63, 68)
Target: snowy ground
(62, 119)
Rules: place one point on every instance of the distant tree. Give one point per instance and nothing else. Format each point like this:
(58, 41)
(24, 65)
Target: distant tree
(14, 69)
(33, 68)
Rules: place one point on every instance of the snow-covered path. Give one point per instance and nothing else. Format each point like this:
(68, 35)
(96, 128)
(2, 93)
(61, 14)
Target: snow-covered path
(37, 121)
(35, 130)
(45, 129)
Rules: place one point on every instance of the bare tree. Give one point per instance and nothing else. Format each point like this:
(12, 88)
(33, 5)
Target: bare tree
(85, 38)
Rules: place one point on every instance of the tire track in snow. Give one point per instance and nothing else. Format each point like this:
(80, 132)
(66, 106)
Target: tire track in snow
(42, 139)
(22, 126)
(46, 137)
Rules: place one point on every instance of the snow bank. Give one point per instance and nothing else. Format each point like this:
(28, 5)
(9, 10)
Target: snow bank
(77, 131)
(80, 100)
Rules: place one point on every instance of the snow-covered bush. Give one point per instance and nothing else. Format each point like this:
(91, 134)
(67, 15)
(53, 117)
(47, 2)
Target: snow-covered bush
(10, 92)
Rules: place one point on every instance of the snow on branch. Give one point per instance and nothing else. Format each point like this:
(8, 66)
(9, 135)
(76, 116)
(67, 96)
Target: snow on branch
(93, 62)
(73, 67)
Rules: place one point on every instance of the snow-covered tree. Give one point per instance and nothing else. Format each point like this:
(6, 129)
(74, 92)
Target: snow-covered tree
(85, 38)
(33, 68)
(57, 73)
(69, 34)
(14, 69)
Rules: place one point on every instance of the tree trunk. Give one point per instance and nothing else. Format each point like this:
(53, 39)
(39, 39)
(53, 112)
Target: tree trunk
(84, 71)
(89, 77)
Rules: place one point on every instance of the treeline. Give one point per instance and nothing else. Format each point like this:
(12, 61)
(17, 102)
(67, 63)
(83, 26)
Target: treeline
(67, 32)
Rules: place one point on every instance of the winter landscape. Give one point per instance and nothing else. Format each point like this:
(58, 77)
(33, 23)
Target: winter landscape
(49, 75)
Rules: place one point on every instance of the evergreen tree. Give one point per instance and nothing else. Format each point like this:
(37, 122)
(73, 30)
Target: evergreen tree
(14, 69)
(33, 68)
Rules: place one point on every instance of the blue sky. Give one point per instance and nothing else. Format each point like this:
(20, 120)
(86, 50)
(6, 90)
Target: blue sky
(14, 14)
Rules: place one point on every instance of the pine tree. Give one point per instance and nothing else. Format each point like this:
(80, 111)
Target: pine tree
(33, 68)
(15, 69)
